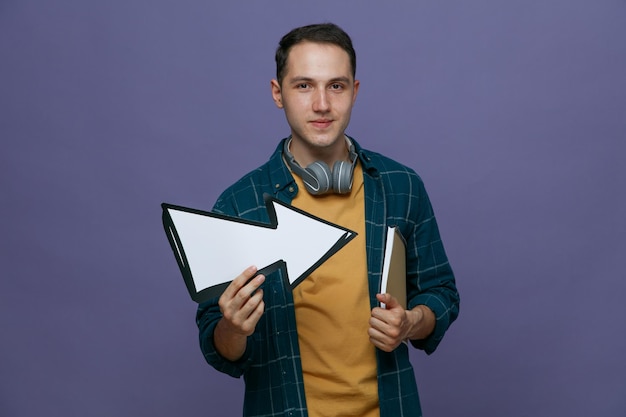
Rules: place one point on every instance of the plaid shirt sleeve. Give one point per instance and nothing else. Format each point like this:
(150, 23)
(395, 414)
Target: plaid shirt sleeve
(430, 279)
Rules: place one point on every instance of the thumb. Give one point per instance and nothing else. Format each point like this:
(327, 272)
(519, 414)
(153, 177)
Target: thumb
(388, 300)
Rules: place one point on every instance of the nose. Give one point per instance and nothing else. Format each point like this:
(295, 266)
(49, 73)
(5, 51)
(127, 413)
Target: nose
(320, 101)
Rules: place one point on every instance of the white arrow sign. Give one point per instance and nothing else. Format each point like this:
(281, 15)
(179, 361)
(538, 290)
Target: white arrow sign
(212, 249)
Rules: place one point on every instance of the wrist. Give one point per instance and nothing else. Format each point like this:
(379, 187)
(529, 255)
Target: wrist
(423, 322)
(228, 344)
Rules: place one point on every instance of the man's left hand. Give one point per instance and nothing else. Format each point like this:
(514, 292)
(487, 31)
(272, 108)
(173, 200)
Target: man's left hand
(391, 325)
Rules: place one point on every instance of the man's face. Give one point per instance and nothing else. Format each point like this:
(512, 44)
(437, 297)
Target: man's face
(317, 94)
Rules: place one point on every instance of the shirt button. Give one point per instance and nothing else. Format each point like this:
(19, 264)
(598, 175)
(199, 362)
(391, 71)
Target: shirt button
(277, 186)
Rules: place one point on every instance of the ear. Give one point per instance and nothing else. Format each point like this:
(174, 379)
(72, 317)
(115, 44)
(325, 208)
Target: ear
(276, 93)
(357, 83)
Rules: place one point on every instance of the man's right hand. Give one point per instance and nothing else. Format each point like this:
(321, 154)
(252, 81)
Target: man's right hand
(242, 306)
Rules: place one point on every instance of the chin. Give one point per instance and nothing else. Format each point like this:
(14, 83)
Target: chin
(324, 141)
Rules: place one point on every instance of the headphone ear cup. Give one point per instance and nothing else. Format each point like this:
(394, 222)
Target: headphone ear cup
(342, 177)
(321, 172)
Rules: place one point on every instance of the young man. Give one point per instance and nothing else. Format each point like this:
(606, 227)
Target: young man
(327, 348)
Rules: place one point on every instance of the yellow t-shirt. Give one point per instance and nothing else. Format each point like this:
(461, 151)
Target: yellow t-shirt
(332, 314)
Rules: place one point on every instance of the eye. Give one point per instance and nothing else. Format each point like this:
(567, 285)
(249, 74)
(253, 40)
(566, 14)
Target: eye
(336, 86)
(302, 86)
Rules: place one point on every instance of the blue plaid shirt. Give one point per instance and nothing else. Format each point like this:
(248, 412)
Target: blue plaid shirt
(394, 196)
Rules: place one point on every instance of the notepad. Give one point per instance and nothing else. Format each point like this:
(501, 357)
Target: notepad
(394, 267)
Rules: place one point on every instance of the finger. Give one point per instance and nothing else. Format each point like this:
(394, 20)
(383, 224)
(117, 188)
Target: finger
(249, 307)
(385, 338)
(251, 314)
(250, 289)
(379, 326)
(383, 346)
(389, 326)
(251, 303)
(236, 284)
(256, 314)
(242, 317)
(382, 313)
(232, 302)
(244, 301)
(380, 340)
(245, 276)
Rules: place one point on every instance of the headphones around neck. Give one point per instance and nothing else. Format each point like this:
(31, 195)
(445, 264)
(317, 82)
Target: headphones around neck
(318, 178)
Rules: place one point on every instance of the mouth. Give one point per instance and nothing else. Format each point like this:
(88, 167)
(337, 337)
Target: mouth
(321, 123)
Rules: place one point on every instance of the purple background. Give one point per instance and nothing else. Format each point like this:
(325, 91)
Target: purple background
(513, 112)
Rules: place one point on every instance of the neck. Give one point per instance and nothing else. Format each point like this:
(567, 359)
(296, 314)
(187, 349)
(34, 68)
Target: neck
(305, 154)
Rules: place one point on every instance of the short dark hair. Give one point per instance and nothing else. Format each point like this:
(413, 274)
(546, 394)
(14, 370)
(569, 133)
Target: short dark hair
(319, 33)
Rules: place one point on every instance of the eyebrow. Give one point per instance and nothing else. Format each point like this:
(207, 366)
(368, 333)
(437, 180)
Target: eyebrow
(345, 80)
